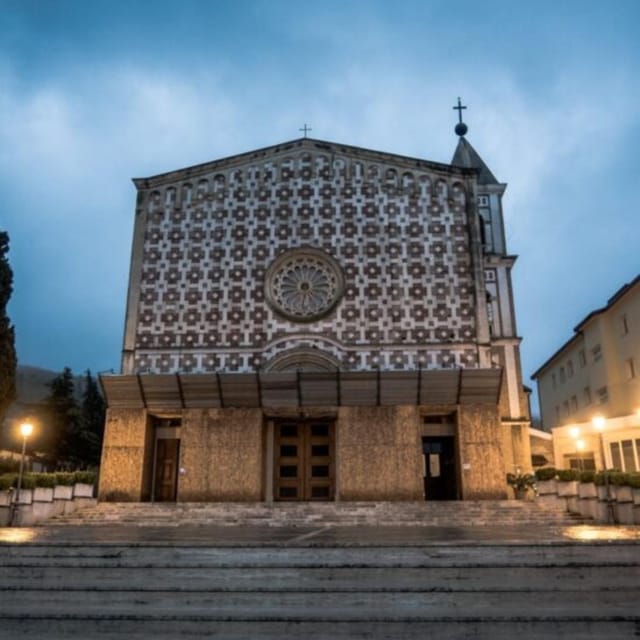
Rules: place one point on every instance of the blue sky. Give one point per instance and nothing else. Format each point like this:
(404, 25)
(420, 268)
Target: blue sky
(94, 93)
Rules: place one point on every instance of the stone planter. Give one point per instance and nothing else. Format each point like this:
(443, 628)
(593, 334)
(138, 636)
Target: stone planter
(82, 490)
(623, 494)
(547, 487)
(587, 490)
(63, 492)
(567, 489)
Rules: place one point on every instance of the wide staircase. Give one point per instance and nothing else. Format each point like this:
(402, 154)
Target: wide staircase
(298, 589)
(328, 514)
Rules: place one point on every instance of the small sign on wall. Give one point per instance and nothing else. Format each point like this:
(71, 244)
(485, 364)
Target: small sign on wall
(434, 465)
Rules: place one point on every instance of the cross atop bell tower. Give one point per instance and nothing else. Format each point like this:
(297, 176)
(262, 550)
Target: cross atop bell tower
(461, 127)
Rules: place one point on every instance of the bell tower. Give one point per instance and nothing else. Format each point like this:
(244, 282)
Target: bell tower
(497, 265)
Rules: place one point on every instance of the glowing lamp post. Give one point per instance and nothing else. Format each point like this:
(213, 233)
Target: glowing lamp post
(26, 429)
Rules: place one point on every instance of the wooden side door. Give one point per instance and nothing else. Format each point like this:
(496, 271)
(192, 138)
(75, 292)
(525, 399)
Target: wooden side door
(166, 480)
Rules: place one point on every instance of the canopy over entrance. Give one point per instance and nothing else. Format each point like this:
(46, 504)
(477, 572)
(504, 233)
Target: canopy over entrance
(302, 389)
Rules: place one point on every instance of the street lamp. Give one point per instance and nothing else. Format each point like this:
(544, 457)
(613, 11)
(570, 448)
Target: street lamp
(26, 429)
(599, 423)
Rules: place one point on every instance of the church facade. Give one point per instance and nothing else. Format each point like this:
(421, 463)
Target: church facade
(315, 321)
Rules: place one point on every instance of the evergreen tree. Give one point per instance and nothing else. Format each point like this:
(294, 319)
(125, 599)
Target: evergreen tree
(93, 415)
(63, 421)
(8, 360)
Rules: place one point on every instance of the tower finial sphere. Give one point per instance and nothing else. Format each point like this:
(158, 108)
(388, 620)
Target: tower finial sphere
(461, 128)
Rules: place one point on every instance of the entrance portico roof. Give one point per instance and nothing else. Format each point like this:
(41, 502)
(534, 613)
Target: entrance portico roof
(302, 389)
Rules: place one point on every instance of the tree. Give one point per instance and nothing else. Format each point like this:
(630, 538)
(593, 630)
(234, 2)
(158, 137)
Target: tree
(92, 419)
(8, 360)
(63, 420)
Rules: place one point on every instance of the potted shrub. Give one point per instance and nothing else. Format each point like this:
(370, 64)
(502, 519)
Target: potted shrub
(84, 482)
(521, 483)
(546, 481)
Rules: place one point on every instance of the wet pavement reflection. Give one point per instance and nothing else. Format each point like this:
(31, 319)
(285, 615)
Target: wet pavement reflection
(343, 536)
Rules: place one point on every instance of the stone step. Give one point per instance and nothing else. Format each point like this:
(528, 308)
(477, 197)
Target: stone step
(529, 628)
(143, 556)
(174, 590)
(46, 578)
(286, 605)
(334, 514)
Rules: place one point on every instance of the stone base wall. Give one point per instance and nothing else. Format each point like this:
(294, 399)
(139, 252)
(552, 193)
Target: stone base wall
(221, 454)
(125, 455)
(378, 454)
(480, 445)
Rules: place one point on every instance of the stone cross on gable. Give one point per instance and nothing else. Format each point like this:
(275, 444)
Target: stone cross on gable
(304, 129)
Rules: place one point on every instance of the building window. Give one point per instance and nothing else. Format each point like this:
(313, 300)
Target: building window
(570, 368)
(553, 380)
(574, 403)
(625, 455)
(603, 395)
(587, 396)
(630, 368)
(596, 352)
(580, 461)
(616, 458)
(628, 456)
(557, 413)
(562, 375)
(624, 325)
(582, 358)
(483, 201)
(565, 405)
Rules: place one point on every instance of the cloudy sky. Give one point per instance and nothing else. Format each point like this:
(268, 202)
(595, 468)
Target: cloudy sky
(95, 93)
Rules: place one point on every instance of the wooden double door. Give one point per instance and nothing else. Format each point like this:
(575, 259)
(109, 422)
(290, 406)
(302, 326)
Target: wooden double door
(304, 465)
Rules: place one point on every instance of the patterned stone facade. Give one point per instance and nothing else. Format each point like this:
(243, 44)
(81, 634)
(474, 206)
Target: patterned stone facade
(403, 232)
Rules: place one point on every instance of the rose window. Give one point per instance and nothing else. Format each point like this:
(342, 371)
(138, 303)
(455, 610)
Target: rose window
(304, 284)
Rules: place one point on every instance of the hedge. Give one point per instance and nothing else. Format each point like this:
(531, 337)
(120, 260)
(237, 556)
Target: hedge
(547, 473)
(567, 475)
(48, 480)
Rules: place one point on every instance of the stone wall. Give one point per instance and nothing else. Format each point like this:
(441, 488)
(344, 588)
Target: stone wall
(123, 468)
(221, 453)
(379, 453)
(480, 445)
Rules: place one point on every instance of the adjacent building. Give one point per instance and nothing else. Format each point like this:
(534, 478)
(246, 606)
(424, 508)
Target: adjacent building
(317, 321)
(589, 389)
